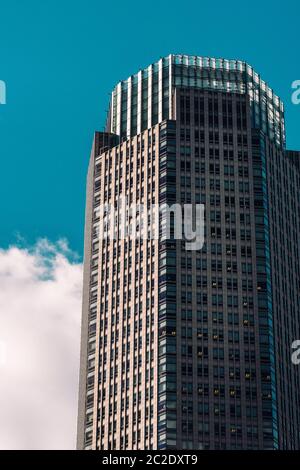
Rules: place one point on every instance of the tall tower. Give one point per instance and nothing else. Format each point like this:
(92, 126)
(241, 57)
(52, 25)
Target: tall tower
(191, 349)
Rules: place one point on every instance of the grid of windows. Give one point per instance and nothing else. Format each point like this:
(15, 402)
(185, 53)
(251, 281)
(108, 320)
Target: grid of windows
(121, 377)
(217, 335)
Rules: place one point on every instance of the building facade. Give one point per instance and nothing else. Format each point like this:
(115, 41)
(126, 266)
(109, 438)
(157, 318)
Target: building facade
(191, 349)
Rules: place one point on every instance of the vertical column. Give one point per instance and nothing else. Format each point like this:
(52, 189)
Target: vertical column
(129, 89)
(139, 103)
(171, 106)
(118, 109)
(150, 72)
(160, 90)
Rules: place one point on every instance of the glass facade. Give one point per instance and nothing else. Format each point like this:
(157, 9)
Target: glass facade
(146, 98)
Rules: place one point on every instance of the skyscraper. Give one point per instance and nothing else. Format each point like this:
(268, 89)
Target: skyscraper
(191, 349)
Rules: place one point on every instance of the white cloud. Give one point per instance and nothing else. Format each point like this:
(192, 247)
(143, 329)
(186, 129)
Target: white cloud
(40, 305)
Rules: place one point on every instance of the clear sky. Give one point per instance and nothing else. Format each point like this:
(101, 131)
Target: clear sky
(61, 58)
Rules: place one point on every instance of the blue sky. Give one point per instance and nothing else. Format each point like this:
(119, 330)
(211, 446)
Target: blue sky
(61, 58)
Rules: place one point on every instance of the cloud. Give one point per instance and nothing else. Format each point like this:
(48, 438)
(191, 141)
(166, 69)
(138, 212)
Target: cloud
(40, 304)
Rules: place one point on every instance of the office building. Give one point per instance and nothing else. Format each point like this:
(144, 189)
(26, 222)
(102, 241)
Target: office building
(191, 349)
